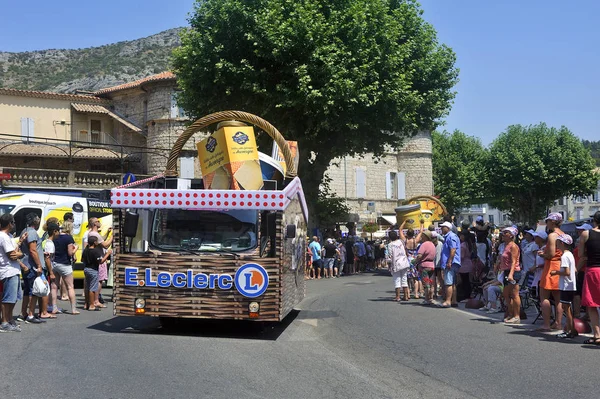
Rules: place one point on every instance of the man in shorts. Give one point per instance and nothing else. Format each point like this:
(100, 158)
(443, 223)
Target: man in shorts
(331, 253)
(34, 260)
(10, 270)
(450, 263)
(315, 250)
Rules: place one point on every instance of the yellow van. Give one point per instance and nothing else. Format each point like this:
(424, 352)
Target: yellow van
(55, 205)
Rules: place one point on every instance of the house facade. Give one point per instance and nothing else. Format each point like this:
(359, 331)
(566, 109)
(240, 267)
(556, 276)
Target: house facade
(64, 140)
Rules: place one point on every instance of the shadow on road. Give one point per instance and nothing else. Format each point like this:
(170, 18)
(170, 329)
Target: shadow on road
(239, 329)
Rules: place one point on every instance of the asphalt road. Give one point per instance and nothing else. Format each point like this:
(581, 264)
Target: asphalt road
(348, 340)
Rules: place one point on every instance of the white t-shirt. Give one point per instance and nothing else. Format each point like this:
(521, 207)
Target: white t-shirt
(567, 283)
(8, 267)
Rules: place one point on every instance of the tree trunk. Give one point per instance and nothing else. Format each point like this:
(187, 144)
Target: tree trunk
(311, 175)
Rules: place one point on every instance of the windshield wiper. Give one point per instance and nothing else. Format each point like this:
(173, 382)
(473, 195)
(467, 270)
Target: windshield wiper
(228, 251)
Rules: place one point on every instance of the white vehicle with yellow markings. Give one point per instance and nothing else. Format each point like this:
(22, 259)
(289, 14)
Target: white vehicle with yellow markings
(47, 205)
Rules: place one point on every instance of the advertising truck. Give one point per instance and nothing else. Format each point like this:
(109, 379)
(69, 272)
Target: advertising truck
(230, 245)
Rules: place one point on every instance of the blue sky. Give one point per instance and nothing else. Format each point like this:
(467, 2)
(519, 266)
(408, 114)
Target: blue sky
(521, 61)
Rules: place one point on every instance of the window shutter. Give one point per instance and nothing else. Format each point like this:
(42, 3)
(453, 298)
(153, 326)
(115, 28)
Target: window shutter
(27, 126)
(187, 168)
(361, 183)
(174, 107)
(401, 176)
(388, 185)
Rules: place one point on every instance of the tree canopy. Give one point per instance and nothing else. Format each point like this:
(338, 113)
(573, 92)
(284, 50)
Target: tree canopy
(342, 77)
(459, 169)
(531, 166)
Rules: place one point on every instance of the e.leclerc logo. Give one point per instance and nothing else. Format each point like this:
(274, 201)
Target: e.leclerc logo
(251, 280)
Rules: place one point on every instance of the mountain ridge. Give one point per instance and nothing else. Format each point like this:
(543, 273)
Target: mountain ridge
(88, 69)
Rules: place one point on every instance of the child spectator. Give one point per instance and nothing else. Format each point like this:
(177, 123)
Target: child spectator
(93, 256)
(566, 282)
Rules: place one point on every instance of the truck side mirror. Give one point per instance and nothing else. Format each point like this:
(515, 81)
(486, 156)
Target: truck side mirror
(130, 224)
(290, 231)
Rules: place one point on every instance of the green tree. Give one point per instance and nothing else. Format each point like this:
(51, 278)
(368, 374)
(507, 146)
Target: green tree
(594, 147)
(329, 209)
(342, 77)
(459, 169)
(531, 166)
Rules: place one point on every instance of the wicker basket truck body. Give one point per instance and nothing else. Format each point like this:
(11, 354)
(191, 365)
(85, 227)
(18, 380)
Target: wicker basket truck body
(210, 254)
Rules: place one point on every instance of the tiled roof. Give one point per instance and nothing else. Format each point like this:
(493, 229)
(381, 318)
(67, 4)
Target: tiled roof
(99, 109)
(53, 96)
(131, 85)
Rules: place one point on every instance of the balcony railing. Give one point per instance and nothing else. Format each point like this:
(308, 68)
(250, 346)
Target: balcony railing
(25, 177)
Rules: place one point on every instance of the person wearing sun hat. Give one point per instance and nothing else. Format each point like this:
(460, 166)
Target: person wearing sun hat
(567, 282)
(549, 283)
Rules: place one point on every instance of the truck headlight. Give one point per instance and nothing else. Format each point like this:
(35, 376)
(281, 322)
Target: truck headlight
(140, 303)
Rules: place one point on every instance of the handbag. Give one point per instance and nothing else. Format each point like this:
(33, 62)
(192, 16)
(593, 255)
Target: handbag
(41, 287)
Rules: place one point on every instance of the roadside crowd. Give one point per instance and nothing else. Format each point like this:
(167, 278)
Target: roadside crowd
(46, 266)
(561, 273)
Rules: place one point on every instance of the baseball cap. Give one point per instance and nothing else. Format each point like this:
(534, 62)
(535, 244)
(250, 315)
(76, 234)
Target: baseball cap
(554, 216)
(542, 234)
(330, 241)
(434, 234)
(447, 224)
(530, 232)
(479, 219)
(565, 238)
(584, 226)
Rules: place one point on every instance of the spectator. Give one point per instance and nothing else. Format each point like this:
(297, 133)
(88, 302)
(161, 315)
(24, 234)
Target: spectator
(360, 255)
(451, 263)
(466, 265)
(398, 265)
(52, 231)
(339, 270)
(315, 250)
(566, 283)
(437, 277)
(103, 241)
(509, 264)
(529, 252)
(549, 282)
(93, 256)
(540, 239)
(580, 272)
(63, 269)
(310, 272)
(350, 262)
(31, 247)
(589, 250)
(425, 262)
(10, 270)
(411, 244)
(330, 253)
(492, 290)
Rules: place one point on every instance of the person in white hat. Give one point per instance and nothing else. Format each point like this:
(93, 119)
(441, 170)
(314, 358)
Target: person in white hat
(566, 282)
(450, 264)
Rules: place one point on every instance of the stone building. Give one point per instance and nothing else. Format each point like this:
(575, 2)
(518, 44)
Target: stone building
(373, 188)
(151, 103)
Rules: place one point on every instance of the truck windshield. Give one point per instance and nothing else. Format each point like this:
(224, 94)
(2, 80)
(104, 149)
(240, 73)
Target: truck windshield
(175, 229)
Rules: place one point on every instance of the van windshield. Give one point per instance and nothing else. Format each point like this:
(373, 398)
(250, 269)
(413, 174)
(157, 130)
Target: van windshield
(211, 231)
(6, 209)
